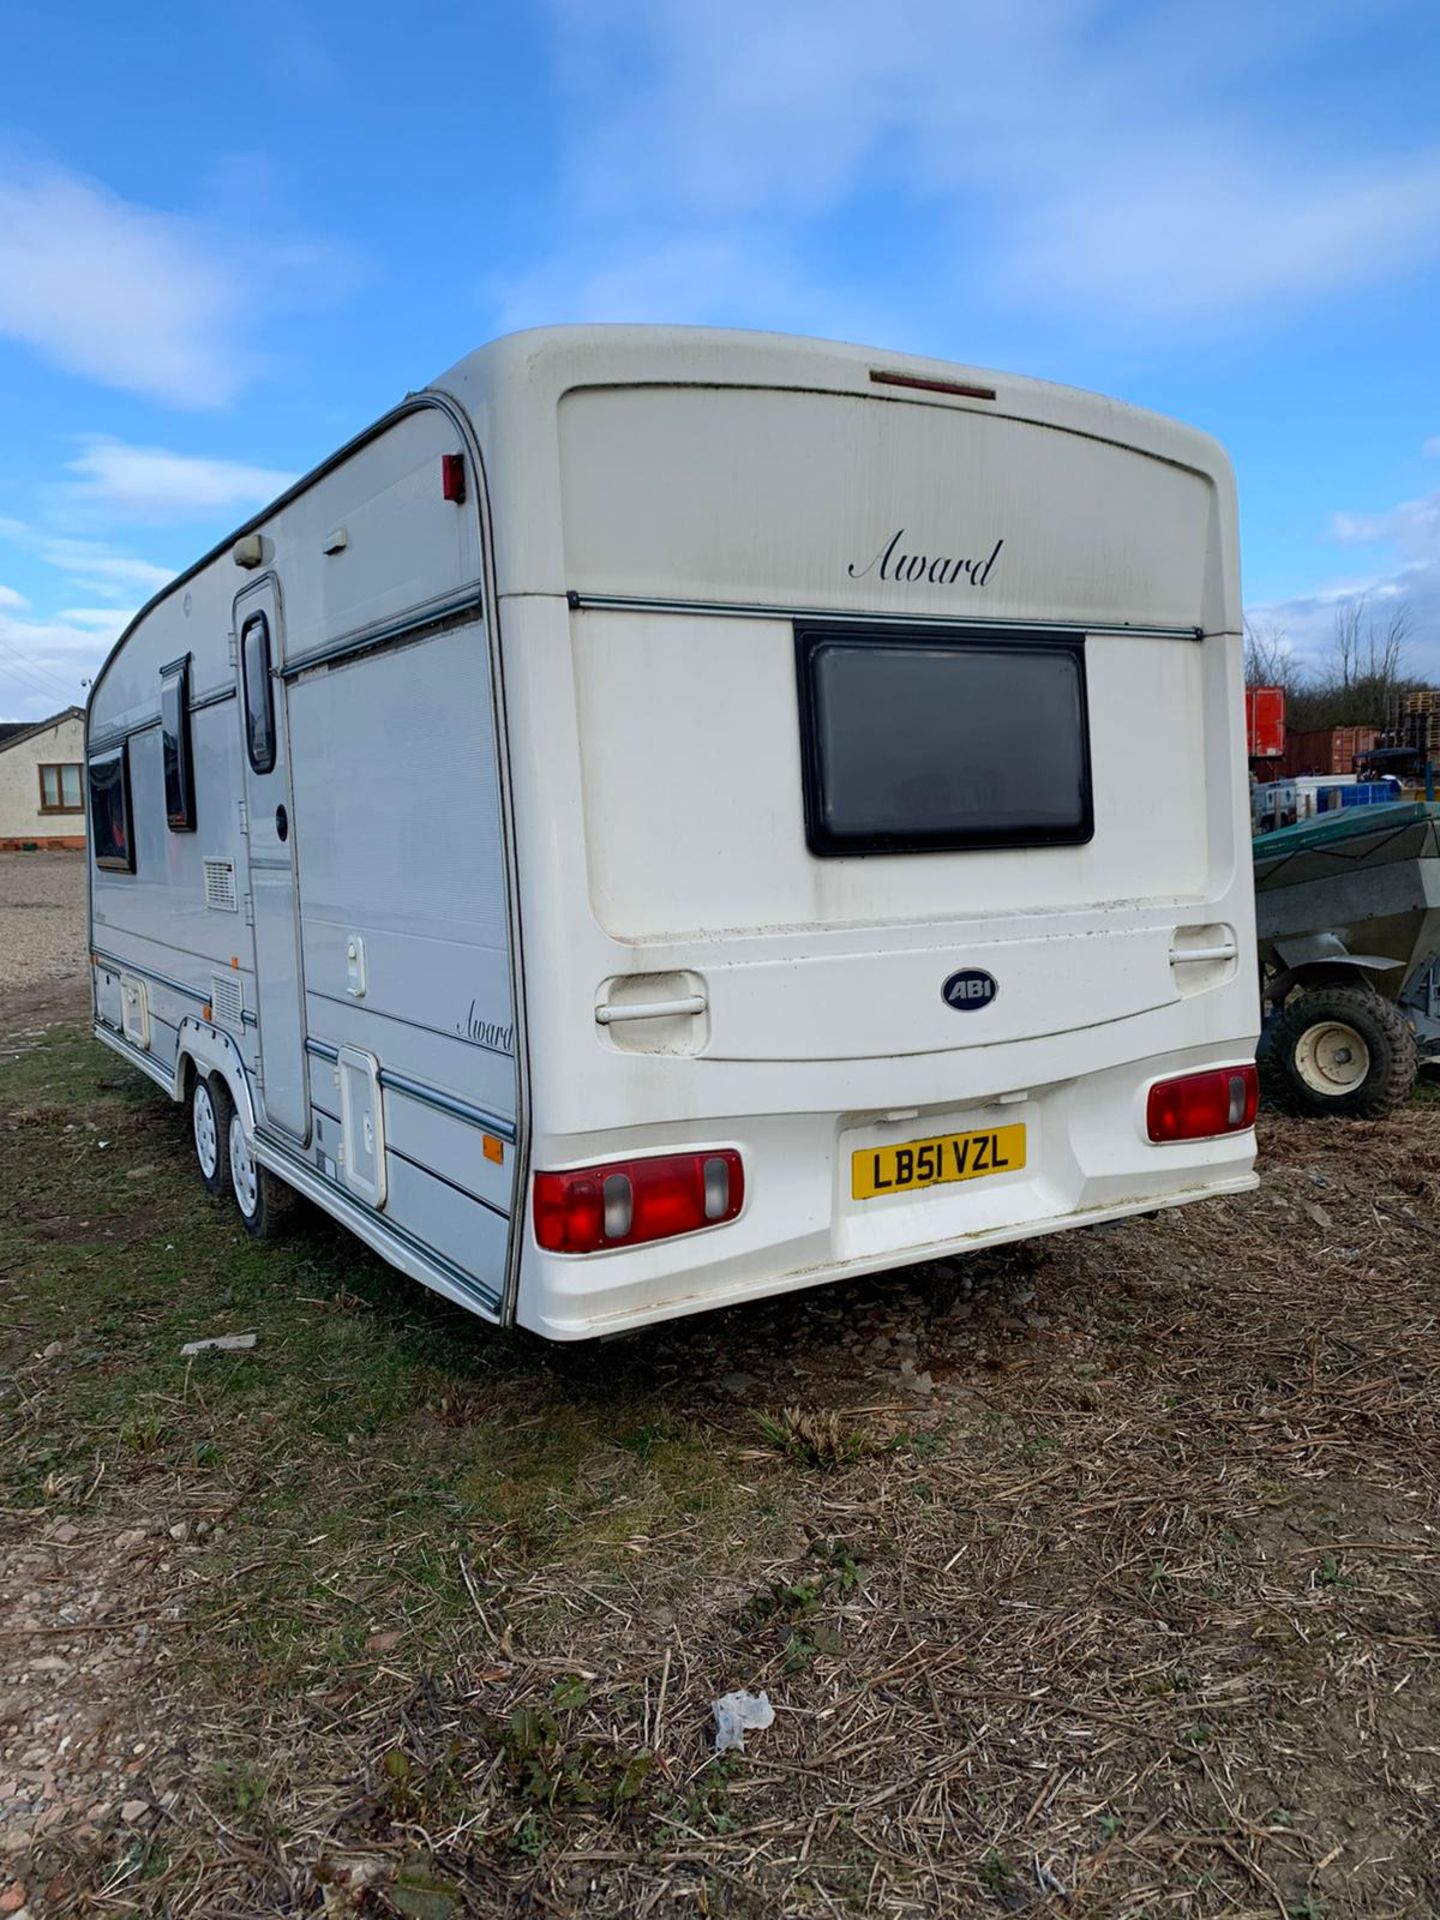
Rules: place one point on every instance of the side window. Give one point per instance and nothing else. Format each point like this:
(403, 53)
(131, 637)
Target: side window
(110, 829)
(60, 789)
(259, 693)
(175, 736)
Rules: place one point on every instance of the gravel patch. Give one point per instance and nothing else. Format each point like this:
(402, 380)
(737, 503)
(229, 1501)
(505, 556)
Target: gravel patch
(42, 918)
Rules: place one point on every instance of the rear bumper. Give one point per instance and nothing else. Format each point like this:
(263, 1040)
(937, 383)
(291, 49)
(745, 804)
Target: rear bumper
(1087, 1161)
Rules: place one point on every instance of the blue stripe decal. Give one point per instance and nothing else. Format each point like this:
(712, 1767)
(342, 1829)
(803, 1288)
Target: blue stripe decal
(147, 973)
(427, 1096)
(447, 1103)
(477, 1289)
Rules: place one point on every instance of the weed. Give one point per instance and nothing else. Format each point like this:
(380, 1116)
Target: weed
(240, 1788)
(813, 1439)
(998, 1877)
(146, 1433)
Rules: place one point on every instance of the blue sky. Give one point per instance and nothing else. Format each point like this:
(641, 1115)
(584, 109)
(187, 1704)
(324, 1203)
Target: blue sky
(231, 237)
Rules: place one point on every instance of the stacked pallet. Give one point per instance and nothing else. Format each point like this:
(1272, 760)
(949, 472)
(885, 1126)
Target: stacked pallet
(1413, 720)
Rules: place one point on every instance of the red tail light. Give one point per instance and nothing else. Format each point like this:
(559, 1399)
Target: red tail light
(630, 1201)
(1201, 1105)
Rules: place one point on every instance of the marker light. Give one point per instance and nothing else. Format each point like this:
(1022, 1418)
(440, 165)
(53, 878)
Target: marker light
(631, 1201)
(1202, 1105)
(452, 477)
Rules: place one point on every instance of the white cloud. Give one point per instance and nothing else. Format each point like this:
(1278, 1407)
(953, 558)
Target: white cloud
(160, 303)
(125, 294)
(12, 600)
(1413, 526)
(700, 279)
(103, 620)
(1026, 150)
(102, 569)
(44, 664)
(1408, 578)
(152, 484)
(1204, 233)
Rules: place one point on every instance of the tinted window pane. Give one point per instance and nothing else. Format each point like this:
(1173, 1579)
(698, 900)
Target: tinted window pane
(259, 695)
(110, 833)
(943, 742)
(175, 739)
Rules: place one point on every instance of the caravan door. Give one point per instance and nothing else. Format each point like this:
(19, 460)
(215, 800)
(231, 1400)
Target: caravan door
(274, 880)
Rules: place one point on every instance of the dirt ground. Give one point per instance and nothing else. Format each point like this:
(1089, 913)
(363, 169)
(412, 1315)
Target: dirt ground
(1097, 1577)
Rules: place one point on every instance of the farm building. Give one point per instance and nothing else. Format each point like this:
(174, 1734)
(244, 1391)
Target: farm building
(42, 795)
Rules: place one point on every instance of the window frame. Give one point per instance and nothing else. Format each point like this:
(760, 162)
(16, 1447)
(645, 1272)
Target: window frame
(824, 842)
(113, 862)
(180, 809)
(58, 767)
(261, 764)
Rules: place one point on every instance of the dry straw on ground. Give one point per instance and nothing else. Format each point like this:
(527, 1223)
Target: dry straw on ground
(1097, 1577)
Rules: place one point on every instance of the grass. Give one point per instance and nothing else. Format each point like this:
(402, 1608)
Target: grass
(1135, 1613)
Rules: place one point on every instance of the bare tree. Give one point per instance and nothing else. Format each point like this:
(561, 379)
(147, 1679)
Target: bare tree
(1353, 685)
(1366, 663)
(1268, 659)
(1345, 642)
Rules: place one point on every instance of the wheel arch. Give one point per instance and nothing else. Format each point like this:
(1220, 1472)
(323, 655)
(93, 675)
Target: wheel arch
(205, 1049)
(1339, 969)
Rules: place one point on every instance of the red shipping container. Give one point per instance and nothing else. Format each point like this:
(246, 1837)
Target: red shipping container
(1326, 749)
(1264, 722)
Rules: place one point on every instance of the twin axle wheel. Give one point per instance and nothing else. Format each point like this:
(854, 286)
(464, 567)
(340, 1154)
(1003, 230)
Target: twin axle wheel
(227, 1164)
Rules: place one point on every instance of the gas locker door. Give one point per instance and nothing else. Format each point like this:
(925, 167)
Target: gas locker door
(274, 857)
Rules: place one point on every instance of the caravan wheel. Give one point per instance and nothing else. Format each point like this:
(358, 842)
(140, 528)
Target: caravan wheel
(262, 1201)
(210, 1110)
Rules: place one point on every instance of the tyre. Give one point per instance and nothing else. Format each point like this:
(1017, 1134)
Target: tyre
(210, 1110)
(263, 1202)
(1340, 1050)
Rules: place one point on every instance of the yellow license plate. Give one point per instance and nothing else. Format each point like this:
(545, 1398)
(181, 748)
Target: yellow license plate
(935, 1163)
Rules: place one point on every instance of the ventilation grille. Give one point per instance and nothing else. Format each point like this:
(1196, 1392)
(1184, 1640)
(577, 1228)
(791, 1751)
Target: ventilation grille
(220, 886)
(227, 999)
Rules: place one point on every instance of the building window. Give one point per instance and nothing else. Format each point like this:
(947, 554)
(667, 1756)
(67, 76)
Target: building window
(259, 693)
(110, 827)
(175, 740)
(60, 790)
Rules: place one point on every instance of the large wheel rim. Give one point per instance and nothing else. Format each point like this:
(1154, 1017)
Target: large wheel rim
(1332, 1058)
(243, 1170)
(207, 1132)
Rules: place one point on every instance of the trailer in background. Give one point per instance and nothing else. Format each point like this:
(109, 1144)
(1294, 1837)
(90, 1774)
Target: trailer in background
(1264, 724)
(1348, 920)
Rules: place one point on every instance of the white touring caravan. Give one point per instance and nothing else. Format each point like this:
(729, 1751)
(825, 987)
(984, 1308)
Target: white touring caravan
(668, 816)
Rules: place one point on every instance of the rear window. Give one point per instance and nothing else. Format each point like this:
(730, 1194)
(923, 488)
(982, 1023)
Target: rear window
(935, 739)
